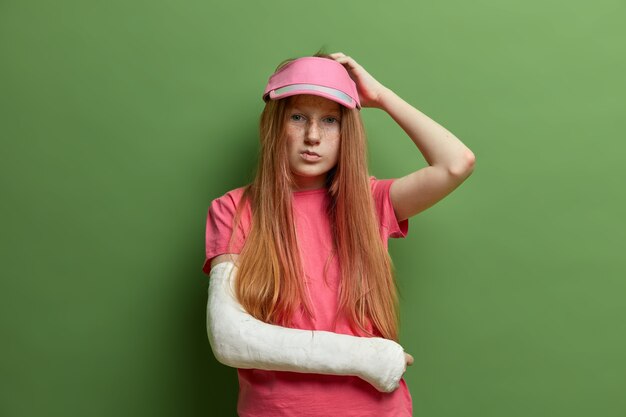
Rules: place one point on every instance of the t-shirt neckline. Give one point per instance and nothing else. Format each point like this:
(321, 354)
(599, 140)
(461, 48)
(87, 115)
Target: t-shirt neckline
(305, 192)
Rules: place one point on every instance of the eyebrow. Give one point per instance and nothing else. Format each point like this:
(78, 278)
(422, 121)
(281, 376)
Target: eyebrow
(333, 112)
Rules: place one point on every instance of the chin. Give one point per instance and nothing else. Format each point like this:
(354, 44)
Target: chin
(311, 174)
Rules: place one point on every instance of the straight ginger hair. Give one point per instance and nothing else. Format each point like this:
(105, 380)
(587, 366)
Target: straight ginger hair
(270, 284)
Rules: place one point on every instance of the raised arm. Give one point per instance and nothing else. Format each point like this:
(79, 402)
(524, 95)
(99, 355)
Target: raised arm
(240, 340)
(450, 161)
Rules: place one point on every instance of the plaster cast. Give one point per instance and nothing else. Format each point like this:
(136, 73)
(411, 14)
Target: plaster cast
(242, 341)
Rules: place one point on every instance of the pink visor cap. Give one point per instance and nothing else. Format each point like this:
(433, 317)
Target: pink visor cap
(314, 75)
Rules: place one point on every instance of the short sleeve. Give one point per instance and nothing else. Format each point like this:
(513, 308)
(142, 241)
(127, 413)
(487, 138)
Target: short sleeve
(384, 207)
(219, 227)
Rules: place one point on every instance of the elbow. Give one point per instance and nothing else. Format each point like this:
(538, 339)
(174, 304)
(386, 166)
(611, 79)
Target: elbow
(221, 355)
(221, 334)
(230, 339)
(223, 318)
(223, 352)
(465, 165)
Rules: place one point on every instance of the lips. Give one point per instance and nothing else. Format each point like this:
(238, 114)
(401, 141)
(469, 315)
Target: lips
(310, 156)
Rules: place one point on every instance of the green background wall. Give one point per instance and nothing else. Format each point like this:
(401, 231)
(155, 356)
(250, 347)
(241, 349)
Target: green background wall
(120, 121)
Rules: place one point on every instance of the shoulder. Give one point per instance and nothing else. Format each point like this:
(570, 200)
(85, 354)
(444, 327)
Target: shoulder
(384, 207)
(221, 236)
(233, 195)
(223, 210)
(380, 187)
(227, 202)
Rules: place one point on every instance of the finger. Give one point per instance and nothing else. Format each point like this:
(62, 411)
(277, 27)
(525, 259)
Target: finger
(349, 61)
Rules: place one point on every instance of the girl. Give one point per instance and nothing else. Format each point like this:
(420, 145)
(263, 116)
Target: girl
(302, 297)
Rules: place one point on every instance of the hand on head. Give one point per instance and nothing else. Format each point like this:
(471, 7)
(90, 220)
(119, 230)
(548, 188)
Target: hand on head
(370, 90)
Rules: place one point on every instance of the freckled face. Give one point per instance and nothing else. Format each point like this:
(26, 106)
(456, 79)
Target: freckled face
(313, 133)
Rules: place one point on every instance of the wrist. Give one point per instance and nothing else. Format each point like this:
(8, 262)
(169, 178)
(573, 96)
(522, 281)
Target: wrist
(384, 365)
(384, 98)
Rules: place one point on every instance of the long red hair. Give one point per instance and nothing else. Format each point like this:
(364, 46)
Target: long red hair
(270, 283)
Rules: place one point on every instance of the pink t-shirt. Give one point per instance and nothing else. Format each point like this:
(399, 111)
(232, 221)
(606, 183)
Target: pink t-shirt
(280, 393)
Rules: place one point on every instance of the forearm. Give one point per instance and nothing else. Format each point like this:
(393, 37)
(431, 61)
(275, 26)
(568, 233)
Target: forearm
(436, 143)
(240, 340)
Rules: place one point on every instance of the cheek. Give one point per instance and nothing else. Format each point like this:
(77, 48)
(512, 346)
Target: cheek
(334, 149)
(336, 141)
(331, 135)
(292, 136)
(291, 143)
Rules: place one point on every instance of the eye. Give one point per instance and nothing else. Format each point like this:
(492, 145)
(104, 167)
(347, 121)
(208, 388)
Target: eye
(331, 120)
(296, 117)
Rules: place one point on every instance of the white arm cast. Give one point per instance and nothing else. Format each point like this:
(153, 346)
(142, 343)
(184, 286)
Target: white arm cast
(242, 341)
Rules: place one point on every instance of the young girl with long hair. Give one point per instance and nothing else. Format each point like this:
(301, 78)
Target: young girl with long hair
(302, 296)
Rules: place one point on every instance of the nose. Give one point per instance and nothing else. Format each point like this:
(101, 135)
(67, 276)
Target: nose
(313, 133)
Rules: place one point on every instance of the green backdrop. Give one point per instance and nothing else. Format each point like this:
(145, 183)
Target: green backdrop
(120, 121)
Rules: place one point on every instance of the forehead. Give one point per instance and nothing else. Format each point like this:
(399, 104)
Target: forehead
(311, 102)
